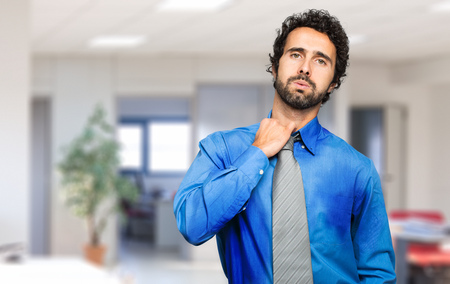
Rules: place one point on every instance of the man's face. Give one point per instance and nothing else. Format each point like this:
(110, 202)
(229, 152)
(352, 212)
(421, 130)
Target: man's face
(306, 68)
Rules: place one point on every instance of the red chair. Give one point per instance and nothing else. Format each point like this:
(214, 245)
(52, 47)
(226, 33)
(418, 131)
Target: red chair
(427, 257)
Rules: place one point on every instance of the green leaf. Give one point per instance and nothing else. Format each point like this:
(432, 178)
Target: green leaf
(89, 172)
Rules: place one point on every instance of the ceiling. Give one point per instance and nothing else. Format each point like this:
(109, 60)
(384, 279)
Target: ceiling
(395, 31)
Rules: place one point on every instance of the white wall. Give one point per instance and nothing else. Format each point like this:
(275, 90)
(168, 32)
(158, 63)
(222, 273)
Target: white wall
(76, 84)
(14, 123)
(423, 89)
(439, 131)
(429, 81)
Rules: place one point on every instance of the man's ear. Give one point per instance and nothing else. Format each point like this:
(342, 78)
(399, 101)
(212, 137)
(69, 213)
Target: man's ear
(274, 73)
(331, 88)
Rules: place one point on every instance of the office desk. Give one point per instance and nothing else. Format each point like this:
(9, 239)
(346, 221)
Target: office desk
(55, 270)
(402, 241)
(167, 234)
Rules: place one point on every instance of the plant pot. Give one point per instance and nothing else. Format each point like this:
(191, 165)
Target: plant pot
(95, 254)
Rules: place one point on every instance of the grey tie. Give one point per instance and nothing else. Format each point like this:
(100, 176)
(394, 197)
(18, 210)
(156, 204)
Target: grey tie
(290, 236)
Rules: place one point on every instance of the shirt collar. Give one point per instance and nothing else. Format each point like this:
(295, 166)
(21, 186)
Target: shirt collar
(309, 133)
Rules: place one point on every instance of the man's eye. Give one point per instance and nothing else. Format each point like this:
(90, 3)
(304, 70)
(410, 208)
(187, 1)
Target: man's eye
(321, 61)
(295, 55)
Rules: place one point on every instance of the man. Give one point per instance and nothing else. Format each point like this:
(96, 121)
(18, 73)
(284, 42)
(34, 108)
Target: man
(227, 192)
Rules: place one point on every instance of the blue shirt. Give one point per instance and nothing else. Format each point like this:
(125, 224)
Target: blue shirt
(227, 192)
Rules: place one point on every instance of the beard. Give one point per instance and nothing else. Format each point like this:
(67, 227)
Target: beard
(298, 99)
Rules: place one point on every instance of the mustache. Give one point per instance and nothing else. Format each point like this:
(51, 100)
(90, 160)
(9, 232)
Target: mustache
(302, 77)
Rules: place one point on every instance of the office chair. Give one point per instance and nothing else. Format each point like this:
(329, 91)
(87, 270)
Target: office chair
(427, 261)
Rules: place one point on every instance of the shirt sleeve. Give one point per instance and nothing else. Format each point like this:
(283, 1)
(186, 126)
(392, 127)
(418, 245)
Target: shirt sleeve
(372, 241)
(216, 188)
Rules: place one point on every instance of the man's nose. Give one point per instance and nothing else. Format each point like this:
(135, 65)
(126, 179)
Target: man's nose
(305, 68)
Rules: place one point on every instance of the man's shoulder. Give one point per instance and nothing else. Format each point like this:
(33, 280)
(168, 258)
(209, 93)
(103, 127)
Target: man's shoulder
(344, 149)
(234, 137)
(224, 147)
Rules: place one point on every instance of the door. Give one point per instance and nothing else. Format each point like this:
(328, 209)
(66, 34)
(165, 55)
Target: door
(379, 133)
(40, 177)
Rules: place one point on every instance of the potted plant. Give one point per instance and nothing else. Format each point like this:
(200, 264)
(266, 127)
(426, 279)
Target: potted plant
(93, 189)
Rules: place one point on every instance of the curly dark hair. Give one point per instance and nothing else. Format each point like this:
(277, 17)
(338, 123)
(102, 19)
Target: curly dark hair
(321, 21)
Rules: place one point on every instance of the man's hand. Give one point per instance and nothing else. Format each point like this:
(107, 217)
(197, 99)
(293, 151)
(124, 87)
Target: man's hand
(272, 136)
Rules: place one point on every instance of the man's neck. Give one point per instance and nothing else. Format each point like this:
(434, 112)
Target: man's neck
(286, 114)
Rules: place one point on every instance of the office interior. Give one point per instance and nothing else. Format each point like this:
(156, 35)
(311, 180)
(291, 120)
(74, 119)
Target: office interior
(396, 94)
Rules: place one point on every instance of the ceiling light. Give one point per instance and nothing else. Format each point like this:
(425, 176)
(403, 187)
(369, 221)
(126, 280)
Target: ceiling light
(357, 39)
(443, 6)
(116, 41)
(193, 5)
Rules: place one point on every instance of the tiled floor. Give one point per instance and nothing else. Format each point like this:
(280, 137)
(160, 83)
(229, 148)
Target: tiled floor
(143, 263)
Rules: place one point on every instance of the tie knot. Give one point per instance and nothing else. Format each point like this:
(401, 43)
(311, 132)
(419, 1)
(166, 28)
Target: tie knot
(290, 143)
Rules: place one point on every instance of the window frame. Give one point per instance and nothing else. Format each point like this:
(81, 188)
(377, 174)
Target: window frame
(144, 123)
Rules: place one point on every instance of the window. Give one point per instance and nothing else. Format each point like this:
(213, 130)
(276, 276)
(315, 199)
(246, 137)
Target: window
(130, 139)
(155, 146)
(169, 146)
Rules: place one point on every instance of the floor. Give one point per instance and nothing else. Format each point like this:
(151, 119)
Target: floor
(140, 262)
